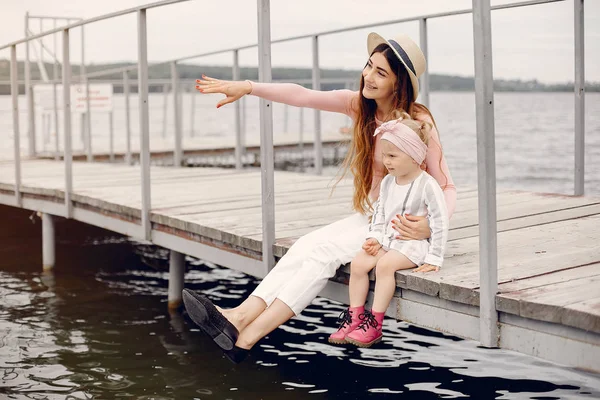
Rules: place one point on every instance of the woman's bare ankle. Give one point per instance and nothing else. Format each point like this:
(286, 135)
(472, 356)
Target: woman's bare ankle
(243, 343)
(234, 316)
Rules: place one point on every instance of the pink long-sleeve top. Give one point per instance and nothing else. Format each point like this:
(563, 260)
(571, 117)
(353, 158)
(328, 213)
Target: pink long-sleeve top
(341, 101)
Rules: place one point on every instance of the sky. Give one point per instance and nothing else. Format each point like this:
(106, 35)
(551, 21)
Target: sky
(534, 42)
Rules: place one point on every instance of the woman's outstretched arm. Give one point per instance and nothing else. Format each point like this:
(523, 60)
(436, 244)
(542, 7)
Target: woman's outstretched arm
(295, 95)
(287, 93)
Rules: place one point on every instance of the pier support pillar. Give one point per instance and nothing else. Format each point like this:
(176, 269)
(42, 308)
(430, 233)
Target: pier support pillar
(176, 272)
(48, 242)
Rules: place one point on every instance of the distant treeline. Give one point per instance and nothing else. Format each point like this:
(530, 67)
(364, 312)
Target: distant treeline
(189, 71)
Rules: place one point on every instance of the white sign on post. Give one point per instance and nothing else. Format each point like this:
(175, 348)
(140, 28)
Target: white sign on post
(101, 96)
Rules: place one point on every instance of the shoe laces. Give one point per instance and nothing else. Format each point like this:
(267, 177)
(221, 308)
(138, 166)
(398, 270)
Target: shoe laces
(368, 319)
(345, 318)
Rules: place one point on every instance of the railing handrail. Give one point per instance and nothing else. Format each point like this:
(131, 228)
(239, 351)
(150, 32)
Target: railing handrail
(370, 25)
(331, 32)
(340, 30)
(94, 19)
(249, 46)
(161, 81)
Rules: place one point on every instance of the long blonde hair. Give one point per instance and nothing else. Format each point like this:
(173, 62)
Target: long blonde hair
(359, 159)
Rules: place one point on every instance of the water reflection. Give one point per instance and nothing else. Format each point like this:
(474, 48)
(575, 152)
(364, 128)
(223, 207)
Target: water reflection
(98, 327)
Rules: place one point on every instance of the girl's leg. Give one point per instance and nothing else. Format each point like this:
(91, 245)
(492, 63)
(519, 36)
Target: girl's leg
(360, 267)
(385, 278)
(358, 289)
(369, 331)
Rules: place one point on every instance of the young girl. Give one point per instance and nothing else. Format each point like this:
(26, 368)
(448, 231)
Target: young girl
(406, 189)
(389, 82)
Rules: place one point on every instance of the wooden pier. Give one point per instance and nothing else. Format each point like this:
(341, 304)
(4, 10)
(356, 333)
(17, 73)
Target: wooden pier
(549, 258)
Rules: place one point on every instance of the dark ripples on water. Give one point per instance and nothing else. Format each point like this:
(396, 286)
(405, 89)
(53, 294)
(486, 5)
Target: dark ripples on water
(98, 328)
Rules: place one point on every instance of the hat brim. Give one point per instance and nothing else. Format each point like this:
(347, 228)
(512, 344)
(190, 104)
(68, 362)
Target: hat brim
(374, 40)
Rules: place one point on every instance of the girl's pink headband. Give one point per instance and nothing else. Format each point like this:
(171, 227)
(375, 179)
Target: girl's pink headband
(404, 138)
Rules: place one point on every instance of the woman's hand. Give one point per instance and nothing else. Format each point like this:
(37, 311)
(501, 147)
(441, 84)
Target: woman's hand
(410, 227)
(371, 246)
(233, 90)
(427, 268)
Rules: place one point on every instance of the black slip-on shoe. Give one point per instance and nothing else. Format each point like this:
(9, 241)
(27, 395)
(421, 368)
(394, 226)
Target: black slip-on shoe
(236, 355)
(204, 314)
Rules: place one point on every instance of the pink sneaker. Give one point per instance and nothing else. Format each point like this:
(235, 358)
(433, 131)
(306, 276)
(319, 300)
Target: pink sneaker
(367, 333)
(348, 321)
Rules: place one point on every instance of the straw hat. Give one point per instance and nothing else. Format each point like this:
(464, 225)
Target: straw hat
(407, 51)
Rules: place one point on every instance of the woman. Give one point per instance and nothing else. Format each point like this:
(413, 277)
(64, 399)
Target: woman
(388, 85)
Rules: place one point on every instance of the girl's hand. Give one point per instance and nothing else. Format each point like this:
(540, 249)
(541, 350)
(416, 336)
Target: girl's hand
(411, 227)
(427, 268)
(371, 246)
(233, 90)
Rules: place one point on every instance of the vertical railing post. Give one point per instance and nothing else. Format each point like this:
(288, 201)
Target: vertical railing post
(82, 128)
(192, 112)
(316, 85)
(266, 137)
(301, 128)
(55, 96)
(29, 93)
(165, 108)
(424, 81)
(14, 91)
(128, 158)
(579, 99)
(111, 137)
(144, 122)
(88, 95)
(68, 156)
(486, 172)
(244, 109)
(83, 115)
(41, 20)
(178, 152)
(236, 111)
(44, 132)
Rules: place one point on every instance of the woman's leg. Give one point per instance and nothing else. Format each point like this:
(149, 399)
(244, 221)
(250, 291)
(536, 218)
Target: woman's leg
(275, 315)
(385, 278)
(302, 287)
(322, 263)
(284, 271)
(278, 312)
(245, 313)
(360, 267)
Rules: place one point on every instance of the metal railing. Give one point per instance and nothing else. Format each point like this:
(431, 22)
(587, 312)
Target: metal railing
(316, 79)
(484, 107)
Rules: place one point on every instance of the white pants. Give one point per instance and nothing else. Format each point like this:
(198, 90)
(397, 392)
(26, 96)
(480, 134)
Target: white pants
(303, 271)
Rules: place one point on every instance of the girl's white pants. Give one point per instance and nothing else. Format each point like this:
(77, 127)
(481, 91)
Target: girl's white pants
(303, 271)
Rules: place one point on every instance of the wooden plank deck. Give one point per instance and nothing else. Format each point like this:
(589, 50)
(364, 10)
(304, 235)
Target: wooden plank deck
(548, 245)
